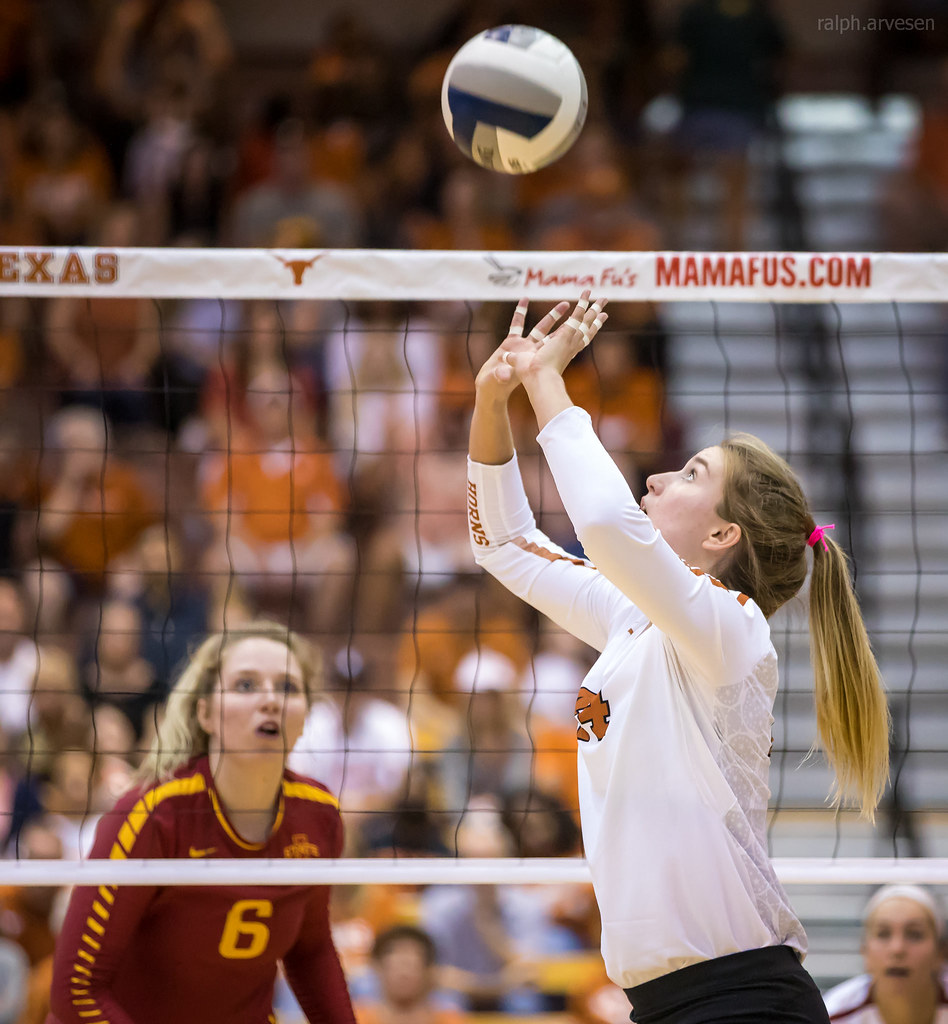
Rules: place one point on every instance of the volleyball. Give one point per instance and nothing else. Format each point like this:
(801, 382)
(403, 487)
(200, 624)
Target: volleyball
(514, 99)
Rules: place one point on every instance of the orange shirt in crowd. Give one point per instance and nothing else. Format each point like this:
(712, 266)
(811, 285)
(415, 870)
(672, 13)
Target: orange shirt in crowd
(111, 514)
(632, 403)
(273, 496)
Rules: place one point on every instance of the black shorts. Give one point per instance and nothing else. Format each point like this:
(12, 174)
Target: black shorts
(761, 986)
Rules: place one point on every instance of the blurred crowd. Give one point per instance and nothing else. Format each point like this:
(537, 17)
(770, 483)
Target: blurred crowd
(169, 468)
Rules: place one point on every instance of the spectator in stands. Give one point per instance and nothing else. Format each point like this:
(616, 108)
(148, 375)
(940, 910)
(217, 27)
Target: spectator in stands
(443, 631)
(59, 717)
(171, 600)
(9, 786)
(14, 493)
(28, 917)
(915, 201)
(292, 192)
(255, 142)
(903, 947)
(382, 368)
(62, 181)
(351, 73)
(382, 378)
(491, 752)
(74, 800)
(904, 61)
(407, 177)
(541, 826)
(265, 342)
(117, 750)
(626, 401)
(196, 193)
(150, 42)
(18, 30)
(118, 675)
(473, 213)
(404, 962)
(92, 509)
(489, 937)
(155, 158)
(103, 351)
(409, 829)
(18, 660)
(357, 743)
(598, 209)
(726, 56)
(275, 508)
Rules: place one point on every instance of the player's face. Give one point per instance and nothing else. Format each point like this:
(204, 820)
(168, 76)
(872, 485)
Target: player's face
(682, 505)
(900, 948)
(260, 704)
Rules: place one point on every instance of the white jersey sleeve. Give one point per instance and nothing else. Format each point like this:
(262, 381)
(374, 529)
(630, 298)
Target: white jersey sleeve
(683, 602)
(507, 543)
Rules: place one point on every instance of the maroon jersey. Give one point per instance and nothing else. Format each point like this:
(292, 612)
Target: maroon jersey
(201, 954)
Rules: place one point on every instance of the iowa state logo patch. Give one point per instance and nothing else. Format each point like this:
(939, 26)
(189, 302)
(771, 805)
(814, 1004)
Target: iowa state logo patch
(300, 846)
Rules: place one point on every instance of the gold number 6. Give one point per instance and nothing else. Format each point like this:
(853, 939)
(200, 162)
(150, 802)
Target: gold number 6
(243, 939)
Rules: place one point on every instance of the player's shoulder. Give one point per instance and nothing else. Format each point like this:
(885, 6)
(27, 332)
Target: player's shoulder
(722, 590)
(849, 1001)
(151, 795)
(297, 787)
(149, 809)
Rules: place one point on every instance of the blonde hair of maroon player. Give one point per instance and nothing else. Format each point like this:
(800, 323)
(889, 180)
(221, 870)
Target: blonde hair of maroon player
(180, 736)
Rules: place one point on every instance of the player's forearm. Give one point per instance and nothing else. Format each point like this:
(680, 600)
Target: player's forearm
(320, 986)
(547, 393)
(491, 441)
(76, 957)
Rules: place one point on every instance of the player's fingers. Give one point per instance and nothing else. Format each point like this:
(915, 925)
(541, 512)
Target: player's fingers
(576, 319)
(593, 319)
(592, 330)
(520, 314)
(546, 325)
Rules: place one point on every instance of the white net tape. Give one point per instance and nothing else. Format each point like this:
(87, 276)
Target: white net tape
(473, 276)
(435, 871)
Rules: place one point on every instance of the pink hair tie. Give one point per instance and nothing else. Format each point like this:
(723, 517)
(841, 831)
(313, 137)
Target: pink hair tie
(816, 537)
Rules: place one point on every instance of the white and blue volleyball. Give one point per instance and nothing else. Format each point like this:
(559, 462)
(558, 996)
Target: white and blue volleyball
(514, 99)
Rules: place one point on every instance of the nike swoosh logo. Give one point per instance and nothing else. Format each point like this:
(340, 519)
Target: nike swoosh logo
(194, 852)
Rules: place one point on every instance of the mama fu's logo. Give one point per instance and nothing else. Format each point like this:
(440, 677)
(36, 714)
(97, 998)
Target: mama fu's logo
(298, 267)
(505, 275)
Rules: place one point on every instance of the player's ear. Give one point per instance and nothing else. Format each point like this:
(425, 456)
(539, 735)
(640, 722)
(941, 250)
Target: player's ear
(202, 714)
(724, 537)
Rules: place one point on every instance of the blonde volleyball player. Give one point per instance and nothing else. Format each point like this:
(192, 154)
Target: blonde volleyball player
(674, 719)
(215, 785)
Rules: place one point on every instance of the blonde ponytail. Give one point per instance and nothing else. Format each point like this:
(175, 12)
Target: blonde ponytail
(764, 497)
(852, 713)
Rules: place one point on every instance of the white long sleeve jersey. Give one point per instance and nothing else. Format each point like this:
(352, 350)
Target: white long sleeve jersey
(673, 720)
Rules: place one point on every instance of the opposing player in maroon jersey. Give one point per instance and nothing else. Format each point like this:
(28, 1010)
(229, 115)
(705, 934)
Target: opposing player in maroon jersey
(214, 785)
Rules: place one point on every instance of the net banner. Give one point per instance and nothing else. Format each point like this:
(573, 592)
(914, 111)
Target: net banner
(473, 276)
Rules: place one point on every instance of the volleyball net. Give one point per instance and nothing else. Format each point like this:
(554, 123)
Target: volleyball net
(195, 437)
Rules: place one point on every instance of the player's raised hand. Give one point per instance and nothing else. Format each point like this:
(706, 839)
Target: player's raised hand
(498, 374)
(551, 346)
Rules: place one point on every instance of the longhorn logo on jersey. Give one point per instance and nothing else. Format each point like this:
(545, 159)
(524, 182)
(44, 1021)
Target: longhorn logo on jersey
(591, 711)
